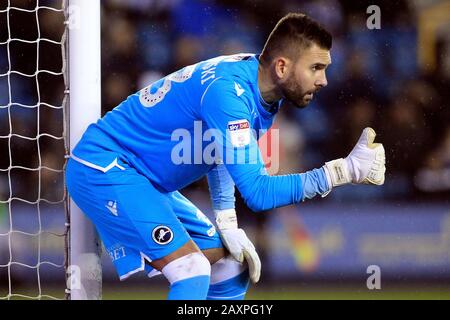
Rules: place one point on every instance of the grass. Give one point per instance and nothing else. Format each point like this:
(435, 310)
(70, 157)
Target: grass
(296, 293)
(122, 291)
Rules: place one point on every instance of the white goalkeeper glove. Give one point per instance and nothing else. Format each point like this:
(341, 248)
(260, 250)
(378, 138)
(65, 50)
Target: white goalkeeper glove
(237, 242)
(365, 164)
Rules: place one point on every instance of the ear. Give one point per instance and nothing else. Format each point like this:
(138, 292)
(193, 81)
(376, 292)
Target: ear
(282, 66)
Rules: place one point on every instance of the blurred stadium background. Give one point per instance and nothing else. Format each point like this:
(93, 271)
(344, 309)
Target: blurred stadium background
(394, 79)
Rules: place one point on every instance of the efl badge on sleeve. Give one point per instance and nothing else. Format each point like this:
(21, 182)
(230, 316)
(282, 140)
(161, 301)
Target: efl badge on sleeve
(239, 132)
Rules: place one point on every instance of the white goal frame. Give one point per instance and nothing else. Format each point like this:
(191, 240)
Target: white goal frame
(84, 270)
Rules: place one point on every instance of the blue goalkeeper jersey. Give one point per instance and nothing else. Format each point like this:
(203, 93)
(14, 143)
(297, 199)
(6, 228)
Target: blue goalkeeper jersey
(182, 126)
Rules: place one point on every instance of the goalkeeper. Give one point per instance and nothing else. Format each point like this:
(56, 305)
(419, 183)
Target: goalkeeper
(126, 171)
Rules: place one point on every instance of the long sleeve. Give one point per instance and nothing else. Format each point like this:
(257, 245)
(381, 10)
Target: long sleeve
(229, 114)
(221, 188)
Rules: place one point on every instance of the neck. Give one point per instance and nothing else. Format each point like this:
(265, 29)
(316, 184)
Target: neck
(267, 86)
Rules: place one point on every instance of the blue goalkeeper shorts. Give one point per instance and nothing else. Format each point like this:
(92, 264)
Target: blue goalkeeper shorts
(136, 221)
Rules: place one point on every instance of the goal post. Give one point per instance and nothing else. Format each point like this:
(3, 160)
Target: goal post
(84, 56)
(49, 93)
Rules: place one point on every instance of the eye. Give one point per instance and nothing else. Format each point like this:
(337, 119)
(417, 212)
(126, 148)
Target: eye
(317, 67)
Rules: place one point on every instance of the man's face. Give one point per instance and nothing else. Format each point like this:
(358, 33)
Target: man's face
(306, 76)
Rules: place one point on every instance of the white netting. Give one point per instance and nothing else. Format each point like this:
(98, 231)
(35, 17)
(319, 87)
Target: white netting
(33, 95)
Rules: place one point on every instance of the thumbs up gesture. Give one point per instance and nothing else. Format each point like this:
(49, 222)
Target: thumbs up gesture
(365, 163)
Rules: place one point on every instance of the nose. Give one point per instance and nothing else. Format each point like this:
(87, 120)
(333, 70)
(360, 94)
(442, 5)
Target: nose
(322, 81)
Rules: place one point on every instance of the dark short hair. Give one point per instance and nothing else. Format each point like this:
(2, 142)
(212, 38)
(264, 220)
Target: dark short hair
(294, 32)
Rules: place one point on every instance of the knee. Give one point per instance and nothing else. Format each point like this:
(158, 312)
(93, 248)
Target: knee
(188, 276)
(229, 280)
(188, 266)
(226, 268)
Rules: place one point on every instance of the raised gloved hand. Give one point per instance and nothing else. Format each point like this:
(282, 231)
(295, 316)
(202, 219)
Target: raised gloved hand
(237, 242)
(365, 164)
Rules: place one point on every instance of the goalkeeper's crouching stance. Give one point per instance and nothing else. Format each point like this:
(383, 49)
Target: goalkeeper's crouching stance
(126, 171)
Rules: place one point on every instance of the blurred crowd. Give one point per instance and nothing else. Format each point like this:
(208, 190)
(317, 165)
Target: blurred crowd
(374, 80)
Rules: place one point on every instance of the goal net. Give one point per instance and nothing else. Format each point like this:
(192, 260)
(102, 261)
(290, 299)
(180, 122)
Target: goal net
(34, 146)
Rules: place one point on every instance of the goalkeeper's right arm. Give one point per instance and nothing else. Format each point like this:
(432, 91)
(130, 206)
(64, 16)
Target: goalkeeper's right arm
(222, 107)
(364, 165)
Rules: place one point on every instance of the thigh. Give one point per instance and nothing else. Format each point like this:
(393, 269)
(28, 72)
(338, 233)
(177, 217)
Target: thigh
(135, 221)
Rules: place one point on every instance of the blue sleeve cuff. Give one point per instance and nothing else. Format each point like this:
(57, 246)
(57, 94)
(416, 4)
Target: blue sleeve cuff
(314, 183)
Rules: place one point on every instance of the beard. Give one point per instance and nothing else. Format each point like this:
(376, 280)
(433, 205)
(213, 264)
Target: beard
(295, 94)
